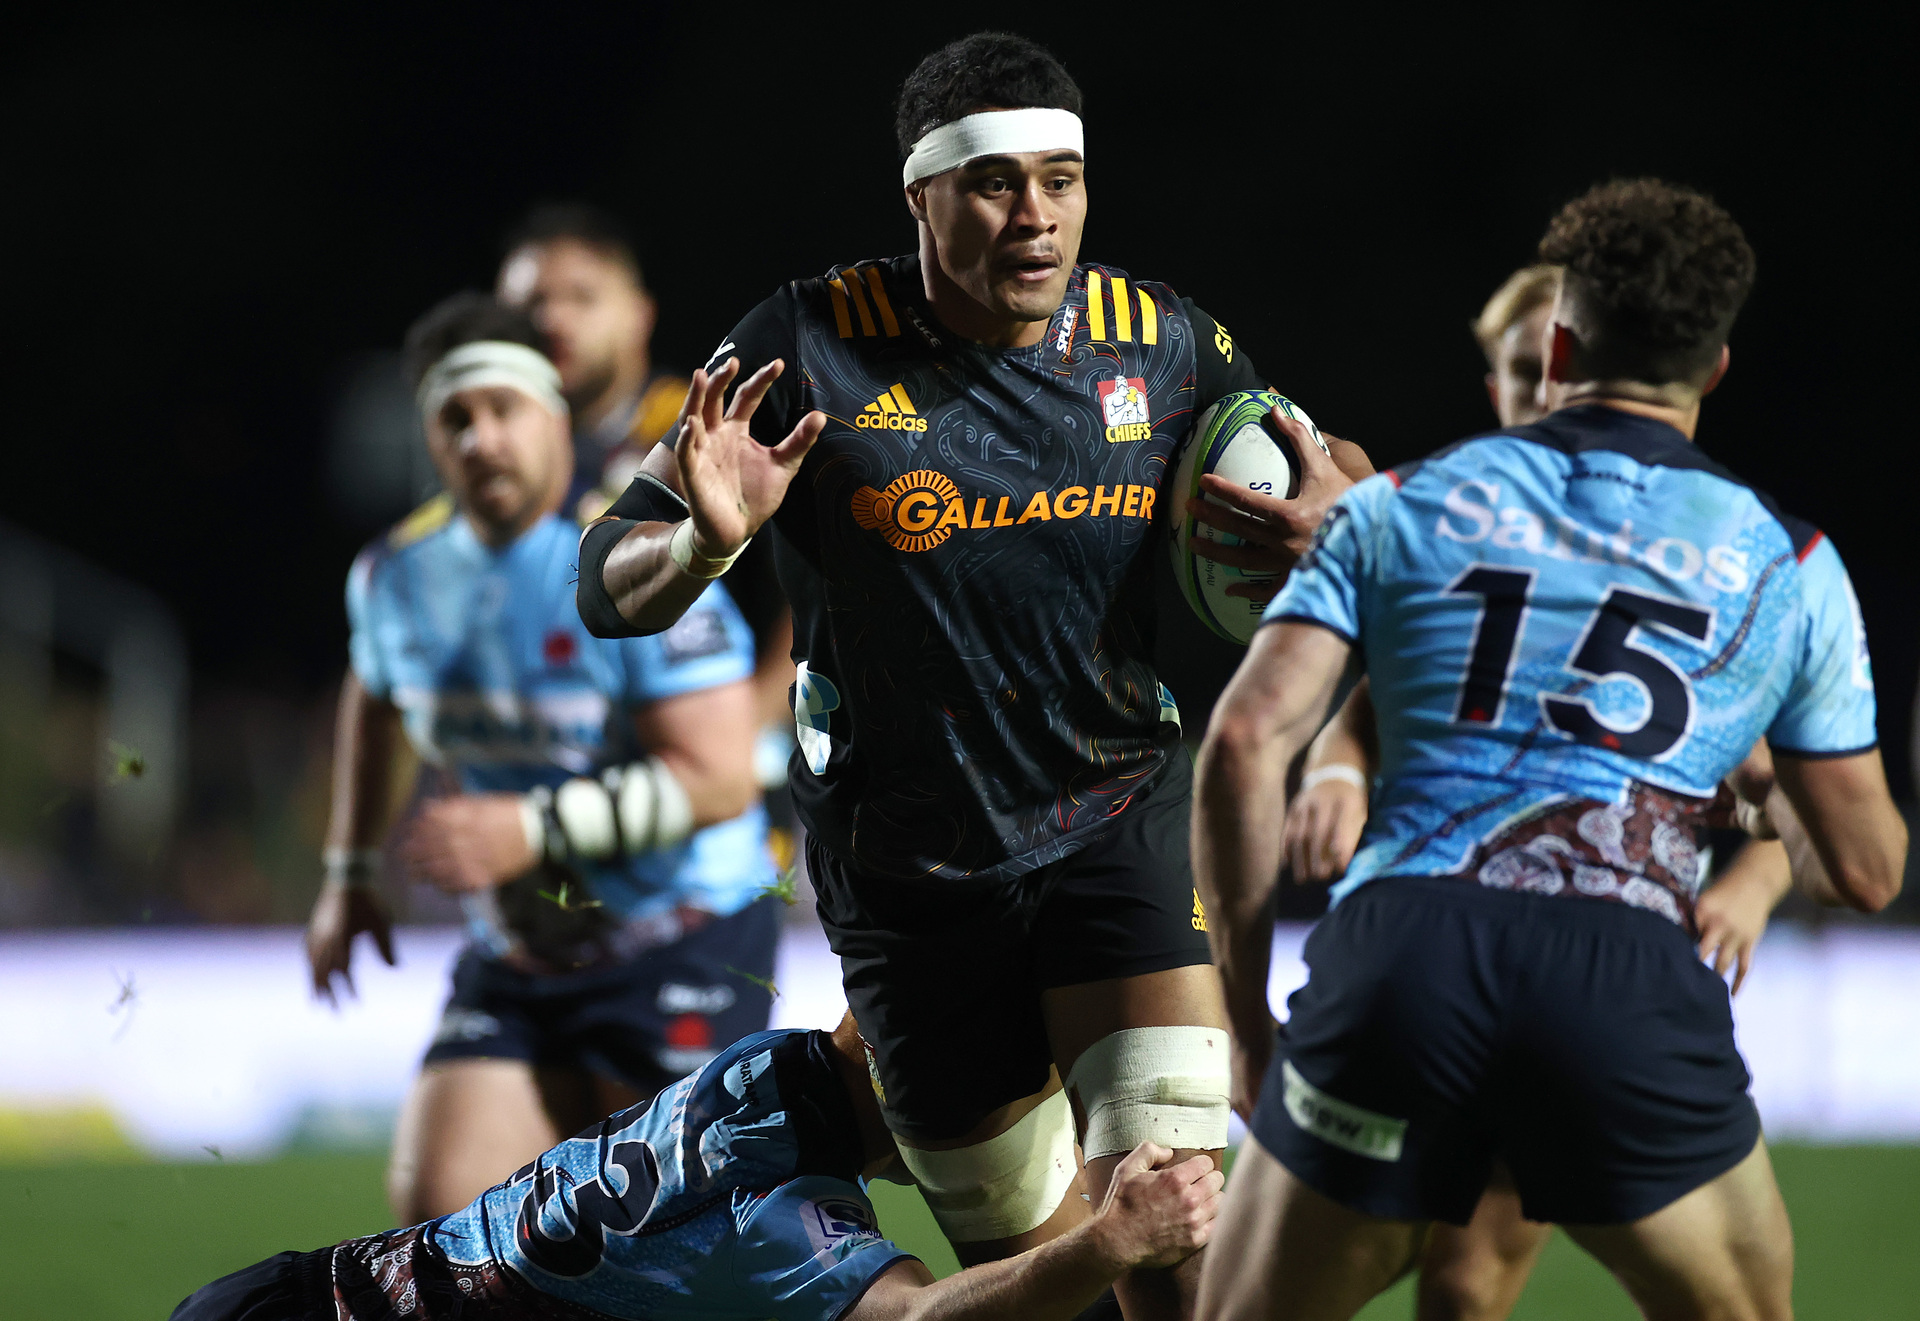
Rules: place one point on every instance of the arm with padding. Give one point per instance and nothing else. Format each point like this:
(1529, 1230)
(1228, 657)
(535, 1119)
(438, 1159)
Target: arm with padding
(699, 773)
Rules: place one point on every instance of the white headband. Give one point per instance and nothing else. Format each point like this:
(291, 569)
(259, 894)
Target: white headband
(491, 362)
(992, 133)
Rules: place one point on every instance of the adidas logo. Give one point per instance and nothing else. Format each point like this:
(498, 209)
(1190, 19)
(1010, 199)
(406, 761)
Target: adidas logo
(892, 411)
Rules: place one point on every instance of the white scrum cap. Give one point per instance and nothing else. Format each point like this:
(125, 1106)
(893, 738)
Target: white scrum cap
(992, 133)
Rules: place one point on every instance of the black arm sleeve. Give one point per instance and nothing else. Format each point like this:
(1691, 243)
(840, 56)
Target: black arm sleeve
(764, 334)
(1221, 366)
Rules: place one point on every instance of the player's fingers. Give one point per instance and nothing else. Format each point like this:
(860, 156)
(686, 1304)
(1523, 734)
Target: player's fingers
(1313, 459)
(1193, 1169)
(754, 389)
(1260, 591)
(1228, 519)
(694, 410)
(713, 410)
(1740, 967)
(790, 451)
(1142, 1158)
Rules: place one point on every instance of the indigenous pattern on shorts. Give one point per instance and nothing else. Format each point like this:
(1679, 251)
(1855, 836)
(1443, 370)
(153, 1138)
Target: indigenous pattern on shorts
(1646, 852)
(1574, 630)
(401, 1276)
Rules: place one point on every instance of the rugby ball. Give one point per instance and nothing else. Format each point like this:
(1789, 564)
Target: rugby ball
(1235, 439)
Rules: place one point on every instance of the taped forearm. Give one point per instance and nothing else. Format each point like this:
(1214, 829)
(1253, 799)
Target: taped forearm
(628, 811)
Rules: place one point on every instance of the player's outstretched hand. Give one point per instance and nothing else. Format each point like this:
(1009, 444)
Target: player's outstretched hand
(467, 842)
(1323, 830)
(1276, 531)
(731, 481)
(341, 913)
(1158, 1213)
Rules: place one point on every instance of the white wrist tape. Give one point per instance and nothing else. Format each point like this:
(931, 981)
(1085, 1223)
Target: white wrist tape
(350, 866)
(992, 133)
(1004, 1186)
(1153, 1084)
(627, 811)
(1335, 770)
(1753, 818)
(491, 362)
(692, 562)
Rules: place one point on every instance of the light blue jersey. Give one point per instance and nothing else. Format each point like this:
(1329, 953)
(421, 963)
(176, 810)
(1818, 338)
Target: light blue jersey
(733, 1195)
(499, 683)
(1574, 631)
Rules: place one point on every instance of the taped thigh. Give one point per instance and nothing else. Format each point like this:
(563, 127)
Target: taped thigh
(1004, 1186)
(1154, 1084)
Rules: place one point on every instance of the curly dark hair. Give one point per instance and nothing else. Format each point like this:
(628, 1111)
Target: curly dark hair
(463, 319)
(988, 70)
(1657, 273)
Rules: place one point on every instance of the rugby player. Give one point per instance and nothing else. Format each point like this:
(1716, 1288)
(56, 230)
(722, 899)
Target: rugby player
(600, 826)
(574, 270)
(737, 1194)
(1574, 630)
(1477, 1273)
(964, 453)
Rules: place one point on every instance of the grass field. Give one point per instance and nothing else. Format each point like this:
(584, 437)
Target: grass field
(125, 1242)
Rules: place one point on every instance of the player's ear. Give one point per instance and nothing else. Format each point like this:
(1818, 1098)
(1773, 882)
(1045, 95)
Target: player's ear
(1718, 373)
(916, 201)
(1560, 347)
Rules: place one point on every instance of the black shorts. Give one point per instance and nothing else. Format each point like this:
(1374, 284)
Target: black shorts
(1444, 1024)
(944, 977)
(647, 1021)
(290, 1286)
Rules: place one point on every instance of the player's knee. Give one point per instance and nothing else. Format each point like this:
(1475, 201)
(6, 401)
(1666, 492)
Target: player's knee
(1474, 1288)
(1004, 1186)
(1167, 1085)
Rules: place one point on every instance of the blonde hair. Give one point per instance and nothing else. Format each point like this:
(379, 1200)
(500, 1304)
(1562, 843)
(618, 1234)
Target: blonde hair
(1524, 290)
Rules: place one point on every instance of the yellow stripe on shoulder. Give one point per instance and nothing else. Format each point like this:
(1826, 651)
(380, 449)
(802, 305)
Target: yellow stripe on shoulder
(852, 277)
(842, 322)
(1149, 317)
(1096, 308)
(880, 303)
(423, 522)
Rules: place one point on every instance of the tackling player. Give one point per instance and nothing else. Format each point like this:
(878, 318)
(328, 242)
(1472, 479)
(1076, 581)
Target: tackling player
(1476, 1273)
(602, 829)
(964, 452)
(1574, 631)
(737, 1194)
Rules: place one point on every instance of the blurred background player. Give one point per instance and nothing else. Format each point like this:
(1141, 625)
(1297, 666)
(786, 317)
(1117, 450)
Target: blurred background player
(574, 268)
(1476, 1273)
(737, 1194)
(991, 772)
(601, 828)
(1575, 631)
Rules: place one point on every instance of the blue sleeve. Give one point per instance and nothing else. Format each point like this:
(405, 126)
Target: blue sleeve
(363, 645)
(810, 1249)
(1829, 710)
(1327, 586)
(709, 646)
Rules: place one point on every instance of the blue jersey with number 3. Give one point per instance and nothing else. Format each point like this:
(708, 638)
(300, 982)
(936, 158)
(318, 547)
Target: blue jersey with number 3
(1573, 631)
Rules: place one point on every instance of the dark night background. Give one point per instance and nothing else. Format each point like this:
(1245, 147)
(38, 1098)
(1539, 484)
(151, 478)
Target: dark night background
(207, 219)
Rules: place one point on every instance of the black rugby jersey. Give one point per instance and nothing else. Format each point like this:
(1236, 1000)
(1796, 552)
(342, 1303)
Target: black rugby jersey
(967, 553)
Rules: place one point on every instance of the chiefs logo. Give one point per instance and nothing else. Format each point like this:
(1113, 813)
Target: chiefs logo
(905, 513)
(1123, 402)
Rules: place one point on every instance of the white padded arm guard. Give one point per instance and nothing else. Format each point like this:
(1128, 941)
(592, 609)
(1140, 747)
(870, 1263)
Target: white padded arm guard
(1004, 1186)
(1154, 1084)
(629, 810)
